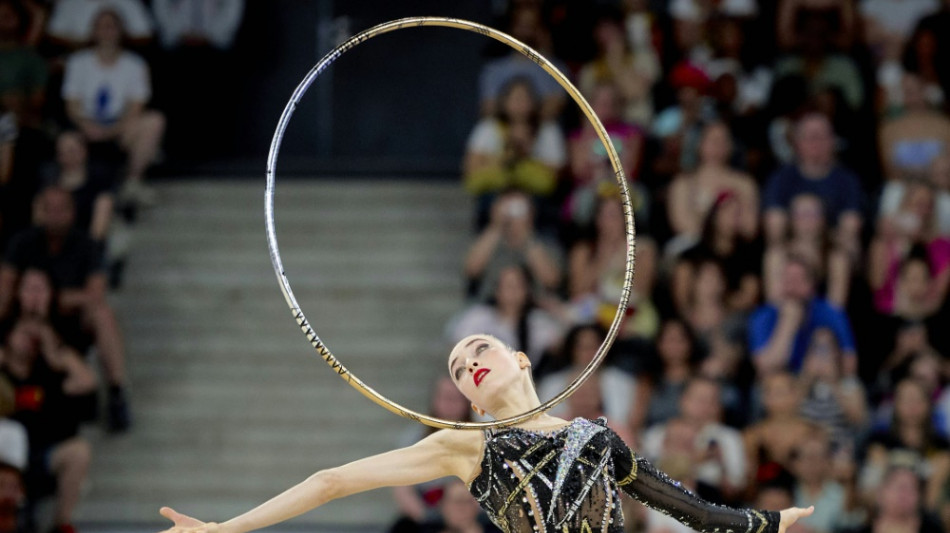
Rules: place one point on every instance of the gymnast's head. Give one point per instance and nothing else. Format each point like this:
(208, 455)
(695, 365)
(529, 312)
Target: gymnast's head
(490, 373)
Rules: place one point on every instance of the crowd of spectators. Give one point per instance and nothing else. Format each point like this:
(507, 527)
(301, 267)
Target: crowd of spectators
(789, 162)
(79, 133)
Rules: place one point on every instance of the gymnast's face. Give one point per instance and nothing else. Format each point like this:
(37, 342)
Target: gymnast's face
(483, 367)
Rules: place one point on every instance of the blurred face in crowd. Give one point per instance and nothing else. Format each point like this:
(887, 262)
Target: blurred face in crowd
(728, 217)
(673, 343)
(700, 402)
(797, 282)
(608, 34)
(911, 404)
(920, 201)
(11, 497)
(585, 346)
(107, 29)
(71, 150)
(485, 370)
(519, 101)
(925, 368)
(512, 290)
(716, 144)
(606, 102)
(36, 293)
(610, 221)
(680, 438)
(780, 395)
(526, 26)
(459, 508)
(812, 460)
(710, 282)
(807, 217)
(58, 211)
(448, 402)
(23, 348)
(899, 496)
(815, 140)
(823, 358)
(914, 280)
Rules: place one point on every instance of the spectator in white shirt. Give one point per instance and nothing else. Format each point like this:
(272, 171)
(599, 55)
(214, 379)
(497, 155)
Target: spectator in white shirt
(106, 89)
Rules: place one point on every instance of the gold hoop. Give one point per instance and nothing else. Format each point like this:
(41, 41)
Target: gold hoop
(318, 344)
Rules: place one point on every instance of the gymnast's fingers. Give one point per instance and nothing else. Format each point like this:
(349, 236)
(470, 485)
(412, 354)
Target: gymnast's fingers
(791, 515)
(179, 519)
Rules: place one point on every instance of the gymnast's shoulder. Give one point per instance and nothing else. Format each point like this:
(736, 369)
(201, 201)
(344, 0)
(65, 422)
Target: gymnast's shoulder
(460, 451)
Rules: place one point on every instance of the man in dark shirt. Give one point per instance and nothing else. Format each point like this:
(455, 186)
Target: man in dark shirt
(74, 264)
(815, 171)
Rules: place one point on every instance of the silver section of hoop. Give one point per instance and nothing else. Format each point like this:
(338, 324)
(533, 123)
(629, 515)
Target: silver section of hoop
(284, 283)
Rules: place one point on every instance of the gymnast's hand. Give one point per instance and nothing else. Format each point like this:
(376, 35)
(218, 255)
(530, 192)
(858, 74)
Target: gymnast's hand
(187, 524)
(790, 516)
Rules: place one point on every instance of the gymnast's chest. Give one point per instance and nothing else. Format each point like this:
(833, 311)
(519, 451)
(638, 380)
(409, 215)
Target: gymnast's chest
(553, 482)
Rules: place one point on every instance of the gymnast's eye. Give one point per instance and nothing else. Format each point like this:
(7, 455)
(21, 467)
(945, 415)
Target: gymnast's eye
(481, 348)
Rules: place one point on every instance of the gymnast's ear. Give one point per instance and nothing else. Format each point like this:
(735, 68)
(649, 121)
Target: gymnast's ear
(523, 361)
(478, 410)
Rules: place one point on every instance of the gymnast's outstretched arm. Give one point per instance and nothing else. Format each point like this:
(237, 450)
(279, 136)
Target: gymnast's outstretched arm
(641, 480)
(444, 453)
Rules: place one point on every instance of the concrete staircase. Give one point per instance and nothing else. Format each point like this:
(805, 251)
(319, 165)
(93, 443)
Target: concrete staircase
(231, 404)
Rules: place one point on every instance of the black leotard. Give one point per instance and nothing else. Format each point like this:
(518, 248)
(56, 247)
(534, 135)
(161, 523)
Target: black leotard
(567, 480)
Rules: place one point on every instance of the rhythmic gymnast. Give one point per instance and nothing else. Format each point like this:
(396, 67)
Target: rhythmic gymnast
(545, 474)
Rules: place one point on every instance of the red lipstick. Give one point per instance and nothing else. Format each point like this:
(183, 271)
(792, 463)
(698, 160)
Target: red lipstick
(480, 375)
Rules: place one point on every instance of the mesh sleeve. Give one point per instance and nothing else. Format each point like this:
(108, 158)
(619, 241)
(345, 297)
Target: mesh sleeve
(642, 481)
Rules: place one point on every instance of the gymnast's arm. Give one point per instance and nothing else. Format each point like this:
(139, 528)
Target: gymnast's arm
(444, 453)
(641, 480)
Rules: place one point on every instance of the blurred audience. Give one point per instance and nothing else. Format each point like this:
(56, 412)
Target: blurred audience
(510, 238)
(720, 456)
(73, 263)
(90, 184)
(815, 171)
(48, 377)
(909, 440)
(511, 316)
(597, 269)
(613, 391)
(809, 237)
(526, 25)
(779, 332)
(899, 505)
(590, 167)
(693, 194)
(515, 148)
(633, 70)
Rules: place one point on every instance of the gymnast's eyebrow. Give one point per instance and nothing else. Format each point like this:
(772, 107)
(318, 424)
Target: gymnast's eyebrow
(455, 359)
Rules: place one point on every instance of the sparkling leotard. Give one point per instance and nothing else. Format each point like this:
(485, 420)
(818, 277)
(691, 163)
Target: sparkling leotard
(567, 481)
